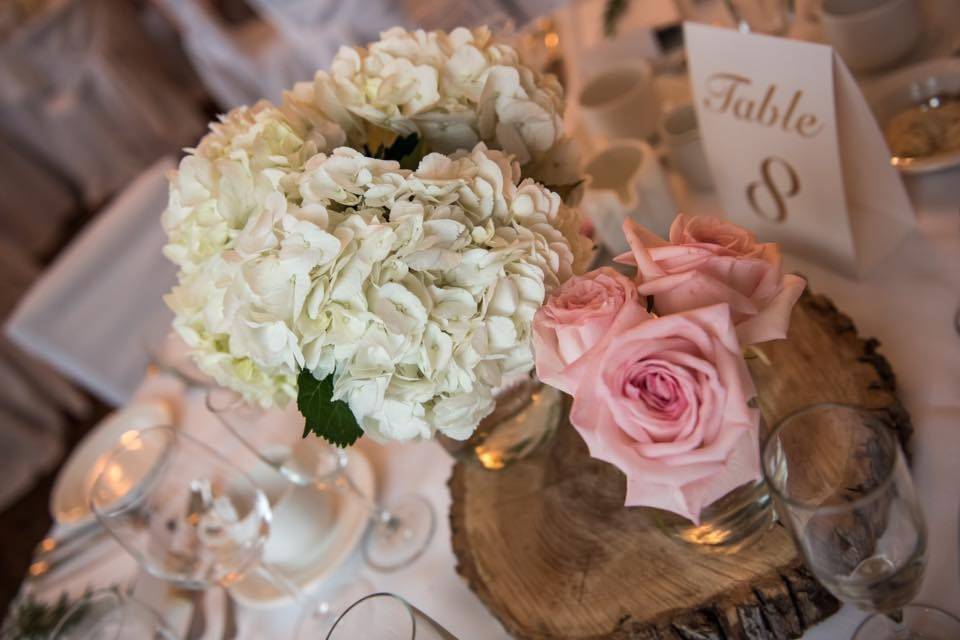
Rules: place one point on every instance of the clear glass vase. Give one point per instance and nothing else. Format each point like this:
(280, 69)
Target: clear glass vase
(728, 525)
(739, 518)
(527, 415)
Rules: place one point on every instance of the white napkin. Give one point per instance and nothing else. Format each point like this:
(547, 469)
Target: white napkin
(91, 313)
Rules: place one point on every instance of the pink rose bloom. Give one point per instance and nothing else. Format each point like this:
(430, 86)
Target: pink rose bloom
(666, 403)
(576, 317)
(708, 261)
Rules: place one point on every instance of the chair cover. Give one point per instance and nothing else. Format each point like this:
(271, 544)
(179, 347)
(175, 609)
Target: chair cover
(78, 90)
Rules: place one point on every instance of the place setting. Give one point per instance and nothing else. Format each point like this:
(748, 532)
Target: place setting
(607, 320)
(317, 504)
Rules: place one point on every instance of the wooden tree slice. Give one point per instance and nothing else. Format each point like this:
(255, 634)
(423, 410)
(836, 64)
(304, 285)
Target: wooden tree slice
(551, 551)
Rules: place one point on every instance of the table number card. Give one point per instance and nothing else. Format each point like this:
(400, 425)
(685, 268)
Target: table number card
(795, 152)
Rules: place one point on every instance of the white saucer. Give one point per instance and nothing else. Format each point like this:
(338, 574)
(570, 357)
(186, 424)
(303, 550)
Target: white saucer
(911, 86)
(68, 500)
(313, 532)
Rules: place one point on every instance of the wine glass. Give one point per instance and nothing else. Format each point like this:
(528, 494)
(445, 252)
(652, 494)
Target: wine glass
(386, 616)
(401, 530)
(107, 614)
(840, 484)
(190, 517)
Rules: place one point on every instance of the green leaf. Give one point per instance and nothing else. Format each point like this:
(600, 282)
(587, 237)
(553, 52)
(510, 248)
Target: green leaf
(407, 150)
(32, 619)
(330, 419)
(402, 148)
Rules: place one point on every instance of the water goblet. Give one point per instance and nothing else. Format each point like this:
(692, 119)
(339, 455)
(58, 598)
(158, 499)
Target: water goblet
(401, 530)
(190, 517)
(840, 484)
(385, 616)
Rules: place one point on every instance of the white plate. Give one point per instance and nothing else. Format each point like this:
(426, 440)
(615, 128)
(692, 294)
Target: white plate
(912, 86)
(68, 500)
(313, 532)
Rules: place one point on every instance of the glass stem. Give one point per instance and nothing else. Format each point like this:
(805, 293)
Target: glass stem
(900, 630)
(345, 484)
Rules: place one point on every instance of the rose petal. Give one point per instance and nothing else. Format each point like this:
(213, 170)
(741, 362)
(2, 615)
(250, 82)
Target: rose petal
(708, 261)
(666, 401)
(773, 321)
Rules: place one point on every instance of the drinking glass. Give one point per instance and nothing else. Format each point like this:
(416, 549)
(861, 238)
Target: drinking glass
(190, 517)
(841, 486)
(400, 531)
(385, 616)
(107, 614)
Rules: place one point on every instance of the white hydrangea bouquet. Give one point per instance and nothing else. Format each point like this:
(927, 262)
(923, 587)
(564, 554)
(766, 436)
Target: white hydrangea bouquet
(376, 247)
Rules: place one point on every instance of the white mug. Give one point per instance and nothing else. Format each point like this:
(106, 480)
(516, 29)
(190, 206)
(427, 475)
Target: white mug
(621, 102)
(624, 180)
(680, 135)
(871, 34)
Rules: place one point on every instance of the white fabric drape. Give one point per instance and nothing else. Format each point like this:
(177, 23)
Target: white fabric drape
(238, 64)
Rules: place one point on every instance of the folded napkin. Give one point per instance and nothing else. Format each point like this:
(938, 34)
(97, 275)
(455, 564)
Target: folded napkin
(93, 311)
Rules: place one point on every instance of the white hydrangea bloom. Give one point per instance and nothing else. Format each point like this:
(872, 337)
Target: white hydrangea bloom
(415, 289)
(454, 90)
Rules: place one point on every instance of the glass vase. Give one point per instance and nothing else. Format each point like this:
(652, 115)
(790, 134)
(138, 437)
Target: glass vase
(728, 525)
(526, 416)
(739, 518)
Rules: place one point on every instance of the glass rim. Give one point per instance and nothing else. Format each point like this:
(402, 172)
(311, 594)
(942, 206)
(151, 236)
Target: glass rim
(238, 400)
(380, 594)
(876, 491)
(134, 496)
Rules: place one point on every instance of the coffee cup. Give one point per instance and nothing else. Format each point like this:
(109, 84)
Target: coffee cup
(625, 179)
(621, 102)
(680, 135)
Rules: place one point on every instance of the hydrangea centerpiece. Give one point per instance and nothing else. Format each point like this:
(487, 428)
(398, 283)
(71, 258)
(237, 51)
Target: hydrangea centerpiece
(388, 295)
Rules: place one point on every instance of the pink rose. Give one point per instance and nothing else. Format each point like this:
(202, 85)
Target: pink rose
(708, 261)
(576, 317)
(666, 402)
